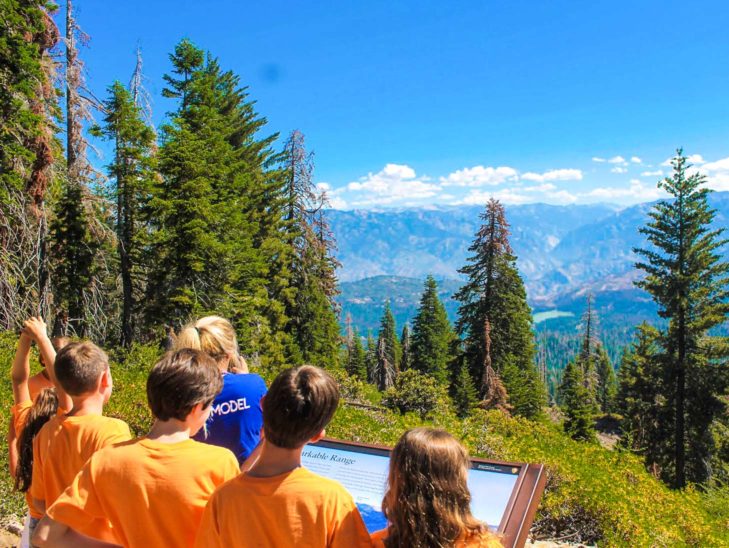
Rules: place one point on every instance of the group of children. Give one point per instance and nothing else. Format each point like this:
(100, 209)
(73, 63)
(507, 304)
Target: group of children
(221, 464)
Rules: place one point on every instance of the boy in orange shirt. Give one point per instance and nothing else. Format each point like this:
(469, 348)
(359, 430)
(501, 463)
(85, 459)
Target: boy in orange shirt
(64, 444)
(152, 490)
(277, 502)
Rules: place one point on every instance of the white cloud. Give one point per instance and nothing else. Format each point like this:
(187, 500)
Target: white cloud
(336, 202)
(636, 160)
(637, 191)
(323, 187)
(554, 175)
(480, 176)
(395, 182)
(717, 174)
(656, 173)
(598, 159)
(617, 160)
(618, 169)
(695, 159)
(546, 192)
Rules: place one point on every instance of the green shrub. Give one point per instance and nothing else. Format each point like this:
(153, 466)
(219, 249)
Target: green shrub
(415, 392)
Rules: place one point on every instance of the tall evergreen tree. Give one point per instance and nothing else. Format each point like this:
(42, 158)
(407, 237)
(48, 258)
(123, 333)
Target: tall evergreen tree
(641, 382)
(371, 358)
(495, 293)
(406, 359)
(687, 279)
(313, 265)
(356, 360)
(432, 335)
(387, 350)
(132, 171)
(219, 242)
(29, 112)
(464, 393)
(607, 382)
(576, 403)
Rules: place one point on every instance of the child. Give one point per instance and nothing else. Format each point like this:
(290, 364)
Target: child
(153, 490)
(25, 391)
(427, 502)
(236, 420)
(25, 421)
(44, 408)
(277, 502)
(61, 448)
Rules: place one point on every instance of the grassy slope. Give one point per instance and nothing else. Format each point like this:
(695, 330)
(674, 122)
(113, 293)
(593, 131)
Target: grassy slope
(593, 494)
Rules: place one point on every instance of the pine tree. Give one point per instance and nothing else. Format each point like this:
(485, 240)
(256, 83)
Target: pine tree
(493, 393)
(464, 393)
(432, 335)
(587, 358)
(29, 112)
(406, 346)
(495, 292)
(371, 358)
(387, 351)
(356, 360)
(132, 171)
(687, 279)
(73, 251)
(641, 381)
(607, 383)
(312, 312)
(575, 402)
(220, 243)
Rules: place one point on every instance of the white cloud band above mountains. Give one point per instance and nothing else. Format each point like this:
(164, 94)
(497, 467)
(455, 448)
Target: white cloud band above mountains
(400, 184)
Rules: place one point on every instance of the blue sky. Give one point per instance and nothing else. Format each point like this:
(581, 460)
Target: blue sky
(421, 103)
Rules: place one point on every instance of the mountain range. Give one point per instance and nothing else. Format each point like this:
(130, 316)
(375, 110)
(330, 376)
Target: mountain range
(563, 252)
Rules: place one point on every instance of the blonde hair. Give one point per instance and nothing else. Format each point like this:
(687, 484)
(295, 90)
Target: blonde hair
(216, 337)
(427, 502)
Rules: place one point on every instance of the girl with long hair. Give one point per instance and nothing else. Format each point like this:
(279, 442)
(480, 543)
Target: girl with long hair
(236, 418)
(427, 503)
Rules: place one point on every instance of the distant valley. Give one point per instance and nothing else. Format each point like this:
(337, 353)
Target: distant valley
(563, 252)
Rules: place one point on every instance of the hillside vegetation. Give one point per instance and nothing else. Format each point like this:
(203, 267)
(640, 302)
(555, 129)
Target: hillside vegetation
(593, 495)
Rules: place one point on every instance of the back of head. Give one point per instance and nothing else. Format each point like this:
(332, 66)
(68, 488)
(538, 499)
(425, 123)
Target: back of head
(213, 335)
(181, 380)
(299, 404)
(428, 502)
(44, 408)
(78, 367)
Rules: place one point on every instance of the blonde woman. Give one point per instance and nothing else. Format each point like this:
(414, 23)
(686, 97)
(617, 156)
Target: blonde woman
(427, 502)
(236, 418)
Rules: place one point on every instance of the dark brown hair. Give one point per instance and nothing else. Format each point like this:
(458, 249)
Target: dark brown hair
(181, 380)
(427, 502)
(44, 408)
(299, 404)
(78, 367)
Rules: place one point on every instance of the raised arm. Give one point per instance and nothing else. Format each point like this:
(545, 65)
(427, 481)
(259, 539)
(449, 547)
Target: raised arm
(36, 328)
(20, 372)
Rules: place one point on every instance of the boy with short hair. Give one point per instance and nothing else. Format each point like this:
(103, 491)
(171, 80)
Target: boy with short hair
(152, 490)
(64, 444)
(277, 502)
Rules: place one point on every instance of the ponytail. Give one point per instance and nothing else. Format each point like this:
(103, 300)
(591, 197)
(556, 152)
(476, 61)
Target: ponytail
(216, 337)
(45, 407)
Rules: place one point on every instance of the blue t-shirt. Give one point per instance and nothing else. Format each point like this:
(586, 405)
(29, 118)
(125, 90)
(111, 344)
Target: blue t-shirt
(236, 419)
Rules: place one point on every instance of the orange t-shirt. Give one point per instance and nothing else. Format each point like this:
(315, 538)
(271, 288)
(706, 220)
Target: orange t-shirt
(152, 493)
(298, 508)
(484, 540)
(20, 412)
(63, 446)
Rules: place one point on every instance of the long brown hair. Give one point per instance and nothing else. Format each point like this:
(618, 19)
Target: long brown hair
(427, 503)
(44, 407)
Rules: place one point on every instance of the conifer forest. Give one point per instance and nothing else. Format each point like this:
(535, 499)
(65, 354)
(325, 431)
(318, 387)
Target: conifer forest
(211, 212)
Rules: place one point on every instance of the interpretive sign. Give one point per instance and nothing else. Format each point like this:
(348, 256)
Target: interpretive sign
(504, 495)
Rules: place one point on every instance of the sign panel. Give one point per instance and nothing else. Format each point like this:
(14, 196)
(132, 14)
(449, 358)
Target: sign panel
(497, 489)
